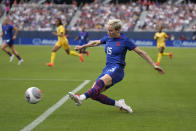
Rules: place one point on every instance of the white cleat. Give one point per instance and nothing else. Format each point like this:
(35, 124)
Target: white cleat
(76, 98)
(11, 58)
(124, 106)
(20, 62)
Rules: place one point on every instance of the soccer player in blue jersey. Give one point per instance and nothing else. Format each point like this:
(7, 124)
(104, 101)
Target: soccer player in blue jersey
(83, 39)
(8, 38)
(116, 47)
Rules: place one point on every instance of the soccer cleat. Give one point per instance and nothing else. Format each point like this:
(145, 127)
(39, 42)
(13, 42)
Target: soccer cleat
(20, 61)
(11, 58)
(157, 63)
(76, 98)
(170, 55)
(125, 107)
(87, 53)
(81, 58)
(50, 64)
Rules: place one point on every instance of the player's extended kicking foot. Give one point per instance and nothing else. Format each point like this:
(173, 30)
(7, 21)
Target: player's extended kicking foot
(125, 107)
(50, 64)
(170, 55)
(81, 58)
(20, 61)
(76, 98)
(11, 58)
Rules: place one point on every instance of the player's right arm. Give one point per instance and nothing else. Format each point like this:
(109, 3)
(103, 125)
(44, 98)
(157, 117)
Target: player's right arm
(93, 43)
(90, 44)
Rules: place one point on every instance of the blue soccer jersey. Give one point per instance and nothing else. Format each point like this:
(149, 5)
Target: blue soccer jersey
(116, 49)
(8, 32)
(83, 36)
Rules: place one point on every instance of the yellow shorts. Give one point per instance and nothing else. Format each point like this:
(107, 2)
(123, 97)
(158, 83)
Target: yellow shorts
(63, 43)
(161, 45)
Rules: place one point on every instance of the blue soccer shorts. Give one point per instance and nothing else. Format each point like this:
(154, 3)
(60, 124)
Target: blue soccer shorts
(116, 71)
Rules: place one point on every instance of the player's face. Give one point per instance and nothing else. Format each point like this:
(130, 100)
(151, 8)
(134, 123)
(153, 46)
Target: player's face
(57, 22)
(112, 32)
(6, 21)
(83, 29)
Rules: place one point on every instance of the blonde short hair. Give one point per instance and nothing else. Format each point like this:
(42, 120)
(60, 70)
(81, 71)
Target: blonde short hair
(115, 23)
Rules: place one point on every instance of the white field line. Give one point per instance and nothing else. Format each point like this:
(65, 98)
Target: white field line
(28, 79)
(48, 112)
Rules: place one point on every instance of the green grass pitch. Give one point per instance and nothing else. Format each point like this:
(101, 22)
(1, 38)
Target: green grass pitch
(160, 102)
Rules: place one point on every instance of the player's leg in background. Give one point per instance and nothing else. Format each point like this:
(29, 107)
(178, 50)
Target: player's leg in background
(160, 54)
(3, 47)
(83, 51)
(53, 55)
(167, 54)
(70, 52)
(17, 55)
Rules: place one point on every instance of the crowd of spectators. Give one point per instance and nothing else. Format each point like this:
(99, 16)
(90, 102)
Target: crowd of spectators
(40, 17)
(172, 17)
(95, 16)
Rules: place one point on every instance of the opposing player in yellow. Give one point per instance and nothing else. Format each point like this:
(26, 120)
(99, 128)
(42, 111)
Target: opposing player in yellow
(62, 42)
(161, 36)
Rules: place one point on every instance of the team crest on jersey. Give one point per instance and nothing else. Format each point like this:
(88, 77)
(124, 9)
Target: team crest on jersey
(118, 43)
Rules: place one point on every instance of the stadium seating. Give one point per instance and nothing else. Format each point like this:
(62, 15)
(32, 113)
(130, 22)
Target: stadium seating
(42, 18)
(94, 16)
(173, 17)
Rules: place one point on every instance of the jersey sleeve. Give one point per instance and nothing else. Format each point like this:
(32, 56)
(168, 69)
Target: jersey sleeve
(104, 39)
(165, 35)
(130, 45)
(155, 36)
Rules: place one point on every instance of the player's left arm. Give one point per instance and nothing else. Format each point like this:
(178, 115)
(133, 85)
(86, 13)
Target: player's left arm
(15, 32)
(145, 56)
(166, 36)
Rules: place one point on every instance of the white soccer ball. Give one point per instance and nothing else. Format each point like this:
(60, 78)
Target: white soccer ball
(33, 95)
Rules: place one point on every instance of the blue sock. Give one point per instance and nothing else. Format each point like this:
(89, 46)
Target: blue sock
(104, 99)
(95, 91)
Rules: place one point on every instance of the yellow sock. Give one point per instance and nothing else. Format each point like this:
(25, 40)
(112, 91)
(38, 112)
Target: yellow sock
(159, 57)
(74, 53)
(165, 54)
(53, 57)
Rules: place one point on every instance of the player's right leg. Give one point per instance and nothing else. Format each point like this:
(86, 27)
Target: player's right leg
(3, 47)
(53, 54)
(17, 55)
(161, 50)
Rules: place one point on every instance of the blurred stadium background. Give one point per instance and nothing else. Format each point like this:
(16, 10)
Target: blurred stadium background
(139, 17)
(160, 103)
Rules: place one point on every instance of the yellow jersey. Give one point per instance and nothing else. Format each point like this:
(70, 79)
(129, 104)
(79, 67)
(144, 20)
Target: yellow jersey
(160, 37)
(61, 30)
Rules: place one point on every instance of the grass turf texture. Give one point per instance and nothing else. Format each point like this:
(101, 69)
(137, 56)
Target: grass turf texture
(160, 102)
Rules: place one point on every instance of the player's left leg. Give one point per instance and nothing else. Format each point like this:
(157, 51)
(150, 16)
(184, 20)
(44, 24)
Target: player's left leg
(3, 47)
(70, 52)
(17, 55)
(83, 51)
